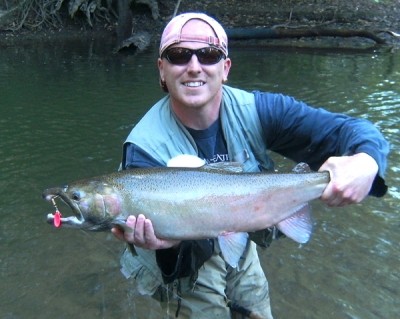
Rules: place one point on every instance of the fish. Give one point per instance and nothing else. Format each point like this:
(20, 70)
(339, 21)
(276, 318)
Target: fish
(189, 203)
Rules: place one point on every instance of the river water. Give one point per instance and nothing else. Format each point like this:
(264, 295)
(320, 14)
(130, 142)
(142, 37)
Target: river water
(66, 108)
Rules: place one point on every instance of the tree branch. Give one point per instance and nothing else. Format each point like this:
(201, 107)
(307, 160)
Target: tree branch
(277, 33)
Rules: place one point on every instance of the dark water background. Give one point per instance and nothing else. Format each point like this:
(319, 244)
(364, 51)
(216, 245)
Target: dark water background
(66, 108)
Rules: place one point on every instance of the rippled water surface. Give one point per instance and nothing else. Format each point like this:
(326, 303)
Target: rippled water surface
(66, 109)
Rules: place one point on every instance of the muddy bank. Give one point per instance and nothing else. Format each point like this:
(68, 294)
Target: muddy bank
(365, 15)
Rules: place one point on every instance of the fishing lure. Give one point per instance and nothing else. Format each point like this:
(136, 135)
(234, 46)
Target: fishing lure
(57, 215)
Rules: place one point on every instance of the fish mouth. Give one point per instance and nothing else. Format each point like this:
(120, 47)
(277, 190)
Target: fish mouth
(76, 220)
(70, 221)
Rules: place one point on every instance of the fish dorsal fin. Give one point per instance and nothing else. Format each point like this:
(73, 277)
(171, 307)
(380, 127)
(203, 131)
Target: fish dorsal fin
(299, 226)
(233, 167)
(301, 168)
(192, 161)
(232, 247)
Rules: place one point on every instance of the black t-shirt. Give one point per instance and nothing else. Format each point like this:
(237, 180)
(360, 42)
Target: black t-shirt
(210, 143)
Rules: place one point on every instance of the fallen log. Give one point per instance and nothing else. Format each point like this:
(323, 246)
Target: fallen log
(279, 33)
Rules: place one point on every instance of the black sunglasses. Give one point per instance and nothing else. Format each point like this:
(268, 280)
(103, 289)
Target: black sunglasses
(182, 56)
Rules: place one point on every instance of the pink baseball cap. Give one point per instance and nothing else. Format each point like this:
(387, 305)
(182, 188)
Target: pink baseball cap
(173, 32)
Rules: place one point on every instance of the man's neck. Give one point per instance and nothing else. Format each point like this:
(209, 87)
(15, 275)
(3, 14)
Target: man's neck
(197, 118)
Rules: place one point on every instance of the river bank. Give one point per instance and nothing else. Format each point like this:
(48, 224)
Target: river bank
(379, 17)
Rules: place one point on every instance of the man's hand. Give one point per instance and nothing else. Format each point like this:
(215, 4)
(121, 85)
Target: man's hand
(351, 178)
(141, 234)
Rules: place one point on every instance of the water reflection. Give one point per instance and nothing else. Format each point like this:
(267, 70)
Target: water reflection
(66, 109)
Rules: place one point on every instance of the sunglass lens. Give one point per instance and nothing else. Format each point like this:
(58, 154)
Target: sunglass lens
(178, 56)
(209, 55)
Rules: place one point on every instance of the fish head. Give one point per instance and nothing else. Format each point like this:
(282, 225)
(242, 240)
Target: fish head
(94, 204)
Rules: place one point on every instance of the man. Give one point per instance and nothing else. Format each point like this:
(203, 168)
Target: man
(203, 117)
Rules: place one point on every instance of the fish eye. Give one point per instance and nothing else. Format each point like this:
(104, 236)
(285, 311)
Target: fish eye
(76, 196)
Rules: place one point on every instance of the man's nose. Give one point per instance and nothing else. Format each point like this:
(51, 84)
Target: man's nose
(194, 65)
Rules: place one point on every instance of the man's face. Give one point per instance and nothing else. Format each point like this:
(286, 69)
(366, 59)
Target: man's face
(194, 85)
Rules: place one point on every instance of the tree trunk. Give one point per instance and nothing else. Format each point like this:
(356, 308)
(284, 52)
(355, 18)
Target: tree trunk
(276, 33)
(124, 27)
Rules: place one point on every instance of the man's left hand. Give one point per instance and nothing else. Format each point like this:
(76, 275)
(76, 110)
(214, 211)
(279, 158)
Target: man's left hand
(351, 179)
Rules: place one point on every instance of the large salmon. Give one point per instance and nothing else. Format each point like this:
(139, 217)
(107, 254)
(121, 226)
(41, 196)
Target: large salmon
(195, 203)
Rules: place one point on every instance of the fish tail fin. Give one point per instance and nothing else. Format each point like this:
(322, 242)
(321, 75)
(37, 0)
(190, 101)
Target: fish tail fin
(299, 226)
(232, 247)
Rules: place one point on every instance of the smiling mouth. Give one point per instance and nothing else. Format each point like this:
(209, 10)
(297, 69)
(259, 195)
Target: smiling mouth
(194, 84)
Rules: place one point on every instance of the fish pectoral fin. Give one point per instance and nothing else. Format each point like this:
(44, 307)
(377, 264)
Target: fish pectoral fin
(232, 247)
(121, 224)
(299, 226)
